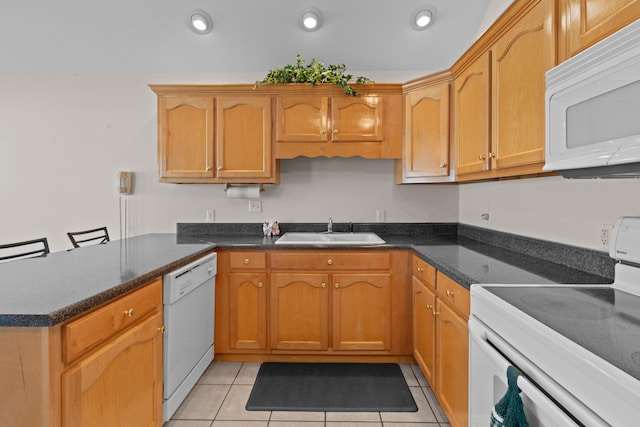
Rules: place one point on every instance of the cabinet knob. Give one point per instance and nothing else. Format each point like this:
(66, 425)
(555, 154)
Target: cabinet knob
(435, 313)
(449, 293)
(481, 157)
(246, 261)
(443, 165)
(429, 307)
(335, 131)
(128, 313)
(219, 168)
(324, 285)
(337, 285)
(491, 155)
(260, 284)
(323, 131)
(208, 168)
(420, 270)
(161, 329)
(330, 261)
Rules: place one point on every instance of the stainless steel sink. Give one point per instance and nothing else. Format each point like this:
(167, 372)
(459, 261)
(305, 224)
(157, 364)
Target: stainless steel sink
(330, 239)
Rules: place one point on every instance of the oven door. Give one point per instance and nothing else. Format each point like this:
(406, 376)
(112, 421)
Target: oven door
(489, 358)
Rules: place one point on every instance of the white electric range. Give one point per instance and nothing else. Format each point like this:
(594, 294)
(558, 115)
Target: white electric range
(577, 346)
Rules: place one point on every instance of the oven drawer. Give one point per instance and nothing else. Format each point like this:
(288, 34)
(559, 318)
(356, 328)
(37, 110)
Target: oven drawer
(109, 320)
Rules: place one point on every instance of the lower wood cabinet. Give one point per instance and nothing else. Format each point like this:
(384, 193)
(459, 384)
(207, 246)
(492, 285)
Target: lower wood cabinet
(313, 302)
(120, 384)
(318, 289)
(103, 368)
(441, 338)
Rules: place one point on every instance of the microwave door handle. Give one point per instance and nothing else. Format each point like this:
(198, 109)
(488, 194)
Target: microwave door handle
(481, 335)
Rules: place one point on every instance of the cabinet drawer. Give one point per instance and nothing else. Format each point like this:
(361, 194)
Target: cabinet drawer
(424, 271)
(105, 322)
(453, 293)
(247, 260)
(331, 260)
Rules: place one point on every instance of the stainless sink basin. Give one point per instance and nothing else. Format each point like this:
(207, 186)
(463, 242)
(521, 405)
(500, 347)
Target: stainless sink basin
(330, 239)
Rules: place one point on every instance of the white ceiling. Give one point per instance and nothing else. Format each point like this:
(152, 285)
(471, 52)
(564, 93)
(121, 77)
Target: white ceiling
(133, 36)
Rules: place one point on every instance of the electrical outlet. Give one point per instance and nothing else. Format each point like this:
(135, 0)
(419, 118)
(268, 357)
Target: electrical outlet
(255, 206)
(211, 215)
(380, 215)
(604, 233)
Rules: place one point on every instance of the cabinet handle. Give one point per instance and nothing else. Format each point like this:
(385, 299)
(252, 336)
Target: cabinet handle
(128, 313)
(337, 285)
(260, 284)
(324, 285)
(449, 293)
(481, 157)
(246, 261)
(161, 330)
(330, 261)
(443, 165)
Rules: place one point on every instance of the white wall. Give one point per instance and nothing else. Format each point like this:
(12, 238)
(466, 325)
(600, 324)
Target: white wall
(550, 208)
(63, 138)
(493, 12)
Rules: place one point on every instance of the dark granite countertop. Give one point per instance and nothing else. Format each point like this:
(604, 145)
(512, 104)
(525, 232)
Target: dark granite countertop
(46, 291)
(49, 290)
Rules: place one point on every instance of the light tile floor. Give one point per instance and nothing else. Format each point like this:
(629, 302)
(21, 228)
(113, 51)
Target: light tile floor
(219, 399)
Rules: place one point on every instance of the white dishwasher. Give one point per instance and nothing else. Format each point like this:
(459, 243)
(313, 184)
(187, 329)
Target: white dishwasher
(189, 301)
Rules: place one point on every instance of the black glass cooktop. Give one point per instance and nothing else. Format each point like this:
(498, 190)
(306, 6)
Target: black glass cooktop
(604, 320)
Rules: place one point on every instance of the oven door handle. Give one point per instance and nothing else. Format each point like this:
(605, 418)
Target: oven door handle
(481, 336)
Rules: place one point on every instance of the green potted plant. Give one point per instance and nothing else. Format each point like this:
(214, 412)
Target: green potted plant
(315, 72)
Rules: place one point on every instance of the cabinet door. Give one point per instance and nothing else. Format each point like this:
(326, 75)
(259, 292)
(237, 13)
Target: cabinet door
(243, 137)
(424, 329)
(452, 361)
(356, 118)
(302, 118)
(120, 384)
(427, 132)
(248, 311)
(589, 21)
(520, 59)
(361, 311)
(185, 132)
(299, 311)
(472, 105)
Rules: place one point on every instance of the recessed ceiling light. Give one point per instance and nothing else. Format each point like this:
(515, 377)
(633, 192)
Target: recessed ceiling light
(421, 18)
(311, 19)
(200, 21)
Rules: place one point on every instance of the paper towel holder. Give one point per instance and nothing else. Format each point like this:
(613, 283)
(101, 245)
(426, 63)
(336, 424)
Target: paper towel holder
(227, 186)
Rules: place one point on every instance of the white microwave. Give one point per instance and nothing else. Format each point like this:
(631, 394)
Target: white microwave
(592, 106)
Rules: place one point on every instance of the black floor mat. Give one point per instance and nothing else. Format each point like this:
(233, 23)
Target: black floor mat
(331, 387)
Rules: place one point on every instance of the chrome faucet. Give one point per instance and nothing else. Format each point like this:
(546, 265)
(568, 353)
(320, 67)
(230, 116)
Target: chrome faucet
(330, 226)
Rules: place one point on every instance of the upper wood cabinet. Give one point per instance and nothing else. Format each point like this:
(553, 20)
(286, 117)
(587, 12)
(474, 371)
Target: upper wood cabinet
(321, 121)
(211, 134)
(585, 22)
(472, 116)
(520, 48)
(426, 129)
(519, 60)
(185, 137)
(243, 137)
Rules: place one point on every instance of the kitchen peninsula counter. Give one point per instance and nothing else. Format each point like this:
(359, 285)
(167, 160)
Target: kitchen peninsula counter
(48, 290)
